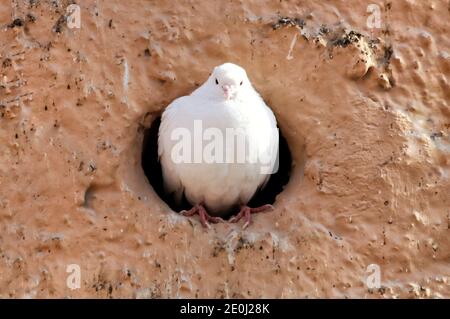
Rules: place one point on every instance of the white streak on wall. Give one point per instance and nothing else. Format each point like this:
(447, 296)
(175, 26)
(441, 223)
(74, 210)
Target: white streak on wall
(291, 48)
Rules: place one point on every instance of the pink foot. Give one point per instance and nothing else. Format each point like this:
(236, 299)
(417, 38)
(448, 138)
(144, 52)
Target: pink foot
(205, 218)
(246, 213)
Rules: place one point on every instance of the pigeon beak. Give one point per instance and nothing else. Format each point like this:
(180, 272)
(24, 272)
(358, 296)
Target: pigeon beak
(227, 92)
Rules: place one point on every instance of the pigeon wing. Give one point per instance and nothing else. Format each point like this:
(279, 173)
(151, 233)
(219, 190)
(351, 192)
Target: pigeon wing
(171, 178)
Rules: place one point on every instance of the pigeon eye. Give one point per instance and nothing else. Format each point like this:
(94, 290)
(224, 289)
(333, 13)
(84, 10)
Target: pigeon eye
(241, 82)
(217, 82)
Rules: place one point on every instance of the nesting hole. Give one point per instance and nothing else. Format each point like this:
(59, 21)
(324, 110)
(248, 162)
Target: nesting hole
(153, 172)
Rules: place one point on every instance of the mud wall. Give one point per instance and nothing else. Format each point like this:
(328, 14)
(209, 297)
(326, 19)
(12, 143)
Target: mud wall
(366, 115)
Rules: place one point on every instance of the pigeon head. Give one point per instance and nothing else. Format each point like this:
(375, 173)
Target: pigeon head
(229, 80)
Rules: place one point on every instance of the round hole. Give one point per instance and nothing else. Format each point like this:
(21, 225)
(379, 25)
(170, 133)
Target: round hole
(153, 172)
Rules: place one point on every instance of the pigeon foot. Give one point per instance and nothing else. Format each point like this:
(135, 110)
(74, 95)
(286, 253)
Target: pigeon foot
(205, 218)
(246, 213)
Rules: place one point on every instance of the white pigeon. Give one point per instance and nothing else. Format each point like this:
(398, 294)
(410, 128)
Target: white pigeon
(226, 102)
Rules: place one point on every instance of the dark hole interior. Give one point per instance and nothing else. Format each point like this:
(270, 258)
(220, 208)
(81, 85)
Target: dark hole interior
(152, 170)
